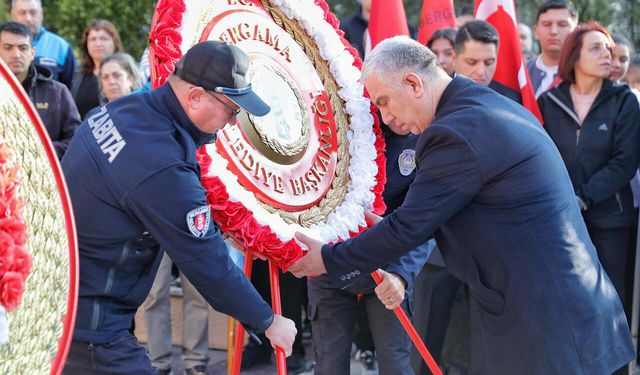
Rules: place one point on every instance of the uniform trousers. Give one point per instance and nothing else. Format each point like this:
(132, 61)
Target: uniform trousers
(123, 356)
(333, 313)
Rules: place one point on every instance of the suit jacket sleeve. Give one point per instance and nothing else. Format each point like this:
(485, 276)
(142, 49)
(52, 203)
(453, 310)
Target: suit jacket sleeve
(409, 265)
(624, 159)
(162, 203)
(448, 177)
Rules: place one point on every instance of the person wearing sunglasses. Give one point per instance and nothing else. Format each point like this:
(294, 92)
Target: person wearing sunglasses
(134, 181)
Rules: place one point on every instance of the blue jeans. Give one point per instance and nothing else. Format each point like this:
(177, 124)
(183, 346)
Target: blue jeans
(123, 356)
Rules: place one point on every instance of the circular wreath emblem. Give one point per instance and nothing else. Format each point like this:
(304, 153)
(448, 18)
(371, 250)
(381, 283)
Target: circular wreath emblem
(39, 287)
(315, 163)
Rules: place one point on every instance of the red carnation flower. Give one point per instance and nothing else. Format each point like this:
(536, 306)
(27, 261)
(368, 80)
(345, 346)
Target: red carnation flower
(236, 214)
(249, 232)
(21, 262)
(11, 289)
(15, 228)
(268, 244)
(217, 195)
(7, 250)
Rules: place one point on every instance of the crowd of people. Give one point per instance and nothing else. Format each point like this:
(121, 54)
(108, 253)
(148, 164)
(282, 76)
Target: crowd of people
(546, 228)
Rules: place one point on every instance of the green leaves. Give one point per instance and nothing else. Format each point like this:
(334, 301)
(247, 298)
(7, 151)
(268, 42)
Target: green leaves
(132, 19)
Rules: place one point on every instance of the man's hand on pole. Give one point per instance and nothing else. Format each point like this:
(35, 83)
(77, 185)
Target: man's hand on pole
(282, 333)
(311, 264)
(391, 290)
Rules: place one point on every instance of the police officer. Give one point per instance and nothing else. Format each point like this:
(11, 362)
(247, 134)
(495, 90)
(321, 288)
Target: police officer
(135, 185)
(334, 311)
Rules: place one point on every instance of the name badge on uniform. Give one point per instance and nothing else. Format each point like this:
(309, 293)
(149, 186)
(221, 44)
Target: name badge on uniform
(198, 220)
(407, 162)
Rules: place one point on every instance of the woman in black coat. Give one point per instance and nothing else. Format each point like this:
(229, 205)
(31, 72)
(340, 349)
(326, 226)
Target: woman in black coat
(595, 124)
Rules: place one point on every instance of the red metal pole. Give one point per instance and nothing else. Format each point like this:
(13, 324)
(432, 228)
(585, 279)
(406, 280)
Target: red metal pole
(239, 339)
(281, 362)
(411, 331)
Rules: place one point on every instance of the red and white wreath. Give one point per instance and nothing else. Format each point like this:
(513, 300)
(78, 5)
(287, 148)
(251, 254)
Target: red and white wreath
(235, 209)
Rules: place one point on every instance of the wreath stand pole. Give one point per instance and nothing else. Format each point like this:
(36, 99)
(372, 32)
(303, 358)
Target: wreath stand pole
(411, 331)
(231, 334)
(274, 278)
(235, 361)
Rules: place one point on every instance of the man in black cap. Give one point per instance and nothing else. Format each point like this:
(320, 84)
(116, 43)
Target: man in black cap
(134, 182)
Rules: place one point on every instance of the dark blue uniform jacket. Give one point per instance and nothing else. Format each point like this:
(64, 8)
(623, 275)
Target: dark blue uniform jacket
(135, 187)
(493, 188)
(399, 149)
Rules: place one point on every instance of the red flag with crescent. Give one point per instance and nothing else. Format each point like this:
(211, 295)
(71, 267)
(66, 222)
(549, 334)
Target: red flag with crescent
(436, 14)
(511, 70)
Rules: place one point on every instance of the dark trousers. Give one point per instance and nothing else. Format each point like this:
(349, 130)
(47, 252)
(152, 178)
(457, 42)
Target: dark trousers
(123, 356)
(615, 247)
(333, 313)
(362, 336)
(435, 292)
(616, 251)
(293, 297)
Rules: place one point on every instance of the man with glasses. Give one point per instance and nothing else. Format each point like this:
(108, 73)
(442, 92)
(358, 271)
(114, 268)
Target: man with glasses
(233, 112)
(134, 181)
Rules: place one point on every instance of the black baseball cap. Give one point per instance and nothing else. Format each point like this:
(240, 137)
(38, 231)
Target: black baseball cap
(221, 67)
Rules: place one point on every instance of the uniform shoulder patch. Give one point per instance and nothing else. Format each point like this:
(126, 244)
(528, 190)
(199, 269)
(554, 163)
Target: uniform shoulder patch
(407, 162)
(198, 220)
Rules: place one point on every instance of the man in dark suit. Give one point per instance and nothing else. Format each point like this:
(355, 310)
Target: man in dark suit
(492, 188)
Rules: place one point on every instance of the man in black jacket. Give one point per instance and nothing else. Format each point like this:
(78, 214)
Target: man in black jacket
(51, 98)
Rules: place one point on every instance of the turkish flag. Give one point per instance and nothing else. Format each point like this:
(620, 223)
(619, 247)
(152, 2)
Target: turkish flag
(387, 19)
(436, 14)
(511, 70)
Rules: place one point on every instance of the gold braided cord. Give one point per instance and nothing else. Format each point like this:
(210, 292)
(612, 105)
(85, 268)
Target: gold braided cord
(338, 190)
(37, 325)
(273, 143)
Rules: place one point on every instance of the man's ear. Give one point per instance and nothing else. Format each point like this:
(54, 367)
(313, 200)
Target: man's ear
(415, 83)
(195, 96)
